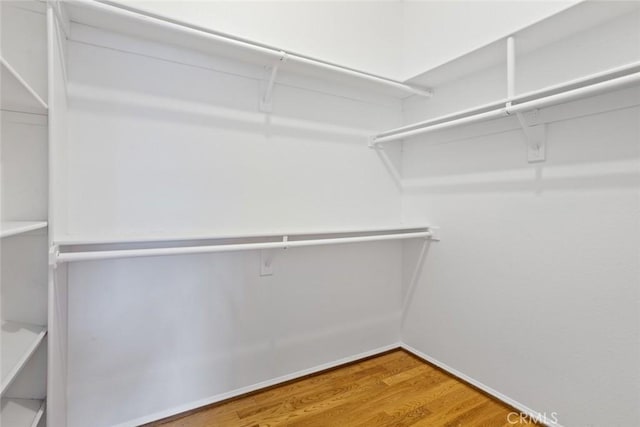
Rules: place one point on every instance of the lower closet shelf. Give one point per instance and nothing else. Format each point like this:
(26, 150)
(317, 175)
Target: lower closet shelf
(19, 342)
(22, 412)
(11, 228)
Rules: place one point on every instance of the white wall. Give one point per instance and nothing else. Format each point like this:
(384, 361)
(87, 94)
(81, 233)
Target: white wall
(177, 149)
(156, 336)
(159, 147)
(534, 289)
(396, 39)
(435, 32)
(364, 35)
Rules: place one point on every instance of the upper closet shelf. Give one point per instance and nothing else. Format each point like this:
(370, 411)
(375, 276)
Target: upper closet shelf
(165, 237)
(87, 250)
(11, 228)
(618, 78)
(571, 21)
(578, 22)
(17, 94)
(134, 22)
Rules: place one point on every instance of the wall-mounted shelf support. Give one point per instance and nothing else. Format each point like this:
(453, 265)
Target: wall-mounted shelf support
(266, 101)
(535, 135)
(54, 251)
(415, 278)
(435, 234)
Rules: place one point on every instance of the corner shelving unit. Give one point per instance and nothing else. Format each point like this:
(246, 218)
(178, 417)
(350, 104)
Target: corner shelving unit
(23, 412)
(23, 286)
(19, 342)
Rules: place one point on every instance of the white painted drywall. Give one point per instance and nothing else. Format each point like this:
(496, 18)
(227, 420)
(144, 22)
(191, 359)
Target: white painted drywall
(396, 39)
(534, 289)
(179, 330)
(364, 35)
(435, 32)
(159, 147)
(184, 149)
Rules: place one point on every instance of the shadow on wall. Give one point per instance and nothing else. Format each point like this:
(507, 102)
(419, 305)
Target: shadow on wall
(160, 109)
(538, 179)
(589, 152)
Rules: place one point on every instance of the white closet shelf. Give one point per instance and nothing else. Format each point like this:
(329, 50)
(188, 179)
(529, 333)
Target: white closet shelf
(122, 19)
(17, 94)
(87, 250)
(166, 237)
(617, 78)
(570, 21)
(22, 412)
(19, 342)
(11, 228)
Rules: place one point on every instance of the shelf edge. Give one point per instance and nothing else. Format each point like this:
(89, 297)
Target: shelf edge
(15, 371)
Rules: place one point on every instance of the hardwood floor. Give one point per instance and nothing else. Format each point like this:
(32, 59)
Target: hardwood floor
(394, 389)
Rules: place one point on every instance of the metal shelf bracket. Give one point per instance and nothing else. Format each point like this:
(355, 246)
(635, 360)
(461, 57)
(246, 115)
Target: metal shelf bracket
(535, 135)
(266, 101)
(54, 251)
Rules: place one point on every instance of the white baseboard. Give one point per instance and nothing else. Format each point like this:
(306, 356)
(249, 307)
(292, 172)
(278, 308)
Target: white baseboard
(254, 387)
(535, 415)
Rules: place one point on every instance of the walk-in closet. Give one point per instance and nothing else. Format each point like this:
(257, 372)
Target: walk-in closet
(320, 213)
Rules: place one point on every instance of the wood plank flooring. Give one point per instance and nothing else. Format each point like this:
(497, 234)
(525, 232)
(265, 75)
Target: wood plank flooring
(394, 389)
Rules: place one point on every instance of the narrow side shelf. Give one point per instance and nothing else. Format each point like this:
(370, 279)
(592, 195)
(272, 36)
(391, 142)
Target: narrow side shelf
(22, 412)
(17, 94)
(19, 342)
(11, 228)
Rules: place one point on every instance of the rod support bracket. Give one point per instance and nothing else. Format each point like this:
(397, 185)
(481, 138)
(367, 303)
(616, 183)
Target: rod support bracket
(535, 135)
(371, 143)
(435, 234)
(266, 100)
(425, 92)
(54, 251)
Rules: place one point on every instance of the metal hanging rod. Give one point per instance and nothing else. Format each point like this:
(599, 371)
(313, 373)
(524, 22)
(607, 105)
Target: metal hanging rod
(616, 78)
(119, 10)
(57, 257)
